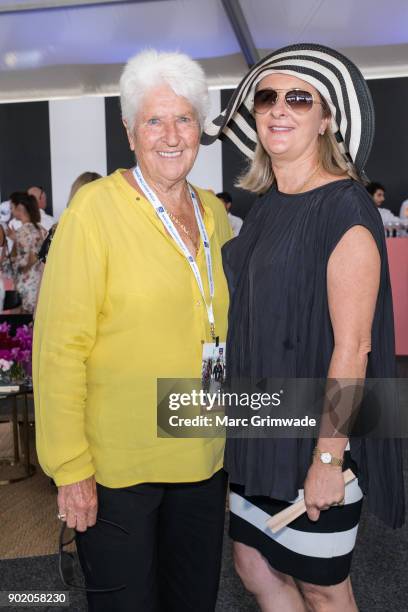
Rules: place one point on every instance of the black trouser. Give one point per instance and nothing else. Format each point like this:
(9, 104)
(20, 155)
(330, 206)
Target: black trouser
(171, 559)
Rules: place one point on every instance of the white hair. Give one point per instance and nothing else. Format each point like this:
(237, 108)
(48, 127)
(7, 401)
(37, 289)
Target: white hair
(152, 68)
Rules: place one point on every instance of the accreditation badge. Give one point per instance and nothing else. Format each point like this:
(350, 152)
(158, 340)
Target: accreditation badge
(213, 366)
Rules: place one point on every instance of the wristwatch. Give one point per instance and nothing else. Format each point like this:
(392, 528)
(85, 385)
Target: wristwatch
(327, 458)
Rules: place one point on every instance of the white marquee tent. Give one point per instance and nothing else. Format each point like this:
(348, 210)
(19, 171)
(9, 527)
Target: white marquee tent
(64, 48)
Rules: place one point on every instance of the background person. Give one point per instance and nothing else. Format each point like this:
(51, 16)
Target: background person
(3, 240)
(120, 306)
(377, 192)
(234, 221)
(27, 241)
(311, 298)
(80, 181)
(6, 245)
(8, 218)
(47, 221)
(83, 179)
(404, 210)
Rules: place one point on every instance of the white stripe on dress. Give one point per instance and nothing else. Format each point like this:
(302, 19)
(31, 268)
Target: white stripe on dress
(319, 545)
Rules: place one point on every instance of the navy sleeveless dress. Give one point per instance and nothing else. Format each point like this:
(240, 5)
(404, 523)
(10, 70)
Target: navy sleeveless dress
(279, 326)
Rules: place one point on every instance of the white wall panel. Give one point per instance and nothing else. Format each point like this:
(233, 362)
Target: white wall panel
(78, 143)
(207, 171)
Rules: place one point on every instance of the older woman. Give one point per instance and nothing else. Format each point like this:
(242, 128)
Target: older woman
(132, 289)
(310, 299)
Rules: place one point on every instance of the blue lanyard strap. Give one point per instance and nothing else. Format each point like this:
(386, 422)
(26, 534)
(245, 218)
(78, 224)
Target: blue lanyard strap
(172, 230)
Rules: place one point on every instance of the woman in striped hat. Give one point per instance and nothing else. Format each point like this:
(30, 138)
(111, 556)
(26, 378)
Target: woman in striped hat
(310, 298)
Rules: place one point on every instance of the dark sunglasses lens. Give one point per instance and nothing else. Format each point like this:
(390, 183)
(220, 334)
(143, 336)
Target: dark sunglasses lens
(299, 101)
(264, 99)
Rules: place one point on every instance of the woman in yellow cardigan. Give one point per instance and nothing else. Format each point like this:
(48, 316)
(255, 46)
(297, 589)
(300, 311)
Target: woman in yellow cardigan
(132, 288)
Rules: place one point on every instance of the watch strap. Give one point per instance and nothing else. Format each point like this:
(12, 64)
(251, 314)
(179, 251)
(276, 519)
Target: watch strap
(334, 460)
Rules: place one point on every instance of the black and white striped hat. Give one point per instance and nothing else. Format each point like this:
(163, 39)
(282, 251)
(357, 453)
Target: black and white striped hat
(336, 78)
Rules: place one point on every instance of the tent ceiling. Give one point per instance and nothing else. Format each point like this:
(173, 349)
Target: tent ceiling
(54, 48)
(31, 5)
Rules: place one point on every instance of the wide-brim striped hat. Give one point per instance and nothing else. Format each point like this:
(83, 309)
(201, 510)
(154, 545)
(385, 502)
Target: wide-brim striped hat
(335, 77)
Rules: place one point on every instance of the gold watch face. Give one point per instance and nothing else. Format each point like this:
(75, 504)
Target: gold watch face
(325, 457)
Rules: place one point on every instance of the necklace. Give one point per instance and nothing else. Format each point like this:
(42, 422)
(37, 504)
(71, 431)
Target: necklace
(309, 178)
(185, 230)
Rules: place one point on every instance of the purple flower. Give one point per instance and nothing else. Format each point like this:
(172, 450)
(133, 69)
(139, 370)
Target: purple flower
(24, 335)
(24, 356)
(14, 352)
(16, 348)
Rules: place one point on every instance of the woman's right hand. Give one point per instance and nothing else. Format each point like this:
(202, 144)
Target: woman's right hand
(79, 503)
(324, 487)
(11, 233)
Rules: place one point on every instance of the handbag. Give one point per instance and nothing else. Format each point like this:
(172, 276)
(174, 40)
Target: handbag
(12, 299)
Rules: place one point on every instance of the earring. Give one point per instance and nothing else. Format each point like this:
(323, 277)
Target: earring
(321, 132)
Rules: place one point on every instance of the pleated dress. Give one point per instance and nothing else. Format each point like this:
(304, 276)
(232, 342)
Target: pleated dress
(280, 327)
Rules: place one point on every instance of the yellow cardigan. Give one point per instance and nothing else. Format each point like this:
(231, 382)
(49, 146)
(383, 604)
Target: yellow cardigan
(119, 307)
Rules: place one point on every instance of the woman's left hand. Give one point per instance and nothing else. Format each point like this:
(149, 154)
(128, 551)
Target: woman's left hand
(324, 487)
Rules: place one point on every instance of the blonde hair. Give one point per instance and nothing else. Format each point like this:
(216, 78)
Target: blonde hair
(259, 176)
(82, 179)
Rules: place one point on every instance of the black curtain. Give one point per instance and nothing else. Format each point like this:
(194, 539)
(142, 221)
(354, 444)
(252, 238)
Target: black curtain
(25, 157)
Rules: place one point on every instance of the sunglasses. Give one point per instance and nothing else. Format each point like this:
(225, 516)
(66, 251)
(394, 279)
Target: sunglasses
(297, 100)
(68, 565)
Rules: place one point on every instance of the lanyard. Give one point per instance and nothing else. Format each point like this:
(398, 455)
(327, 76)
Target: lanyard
(169, 225)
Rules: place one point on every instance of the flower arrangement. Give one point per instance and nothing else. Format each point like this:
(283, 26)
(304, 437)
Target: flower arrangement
(15, 352)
